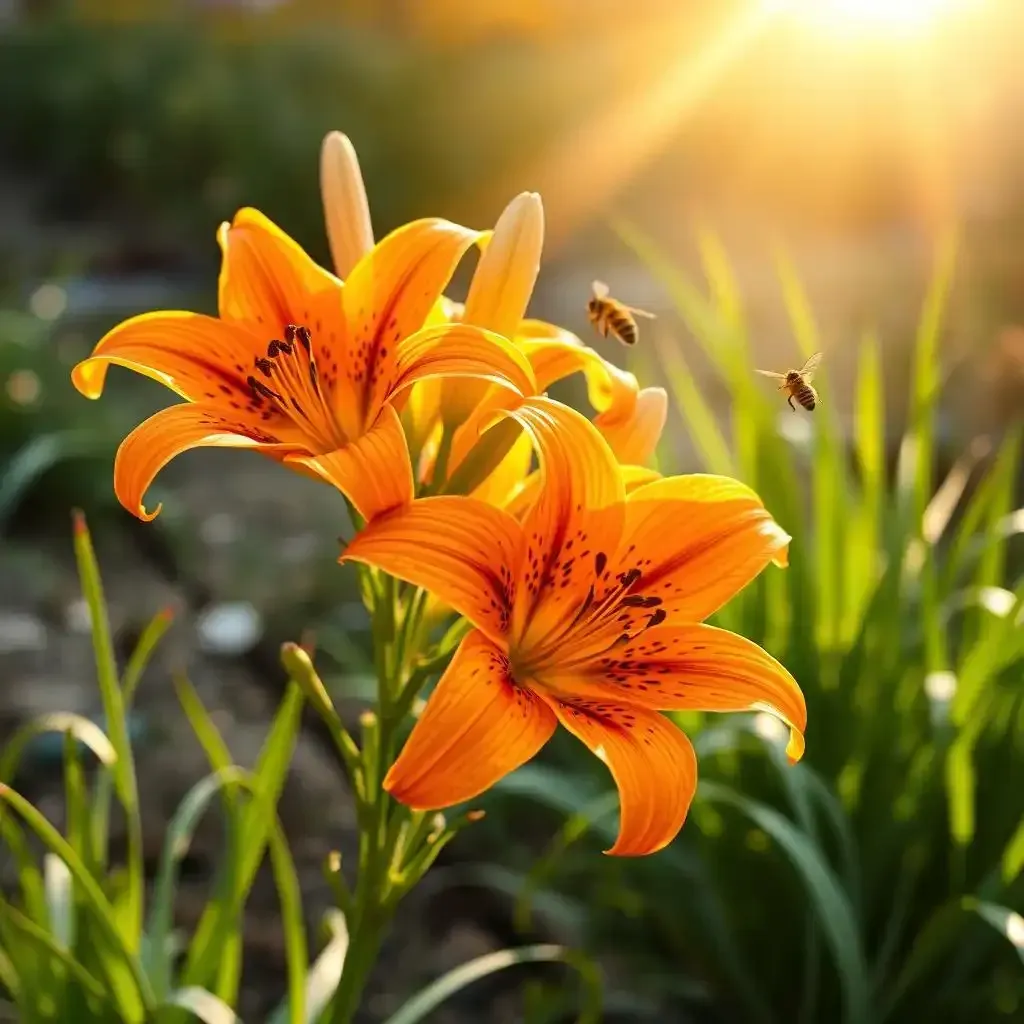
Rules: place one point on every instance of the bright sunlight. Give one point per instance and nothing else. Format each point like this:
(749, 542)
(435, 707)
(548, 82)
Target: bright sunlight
(881, 16)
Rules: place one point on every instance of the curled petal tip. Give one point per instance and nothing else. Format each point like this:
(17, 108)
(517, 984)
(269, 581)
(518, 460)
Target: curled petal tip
(796, 745)
(781, 556)
(146, 517)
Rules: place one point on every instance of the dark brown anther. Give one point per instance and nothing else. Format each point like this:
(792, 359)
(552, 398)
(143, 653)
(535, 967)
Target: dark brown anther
(600, 561)
(261, 389)
(263, 365)
(640, 601)
(273, 347)
(305, 337)
(289, 332)
(657, 618)
(627, 579)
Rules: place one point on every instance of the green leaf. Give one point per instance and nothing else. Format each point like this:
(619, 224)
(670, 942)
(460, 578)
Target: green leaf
(695, 410)
(47, 944)
(835, 913)
(202, 1004)
(218, 927)
(60, 900)
(1013, 856)
(935, 941)
(177, 841)
(123, 769)
(545, 866)
(33, 459)
(132, 1004)
(290, 896)
(1006, 922)
(151, 636)
(323, 976)
(431, 997)
(83, 730)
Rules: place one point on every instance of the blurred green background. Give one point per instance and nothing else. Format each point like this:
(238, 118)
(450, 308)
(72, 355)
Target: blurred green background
(769, 183)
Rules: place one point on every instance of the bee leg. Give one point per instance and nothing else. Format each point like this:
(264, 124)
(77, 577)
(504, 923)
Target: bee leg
(791, 405)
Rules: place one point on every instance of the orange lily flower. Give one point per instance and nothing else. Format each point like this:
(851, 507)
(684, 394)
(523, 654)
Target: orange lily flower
(630, 418)
(587, 613)
(301, 366)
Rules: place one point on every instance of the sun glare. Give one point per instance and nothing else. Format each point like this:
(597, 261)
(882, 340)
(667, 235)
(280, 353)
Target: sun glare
(876, 16)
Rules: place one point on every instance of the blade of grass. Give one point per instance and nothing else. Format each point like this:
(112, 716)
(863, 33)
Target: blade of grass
(177, 841)
(60, 902)
(202, 1004)
(835, 913)
(140, 656)
(323, 976)
(137, 1002)
(123, 770)
(50, 948)
(217, 927)
(1006, 922)
(696, 413)
(921, 433)
(434, 995)
(81, 728)
(565, 793)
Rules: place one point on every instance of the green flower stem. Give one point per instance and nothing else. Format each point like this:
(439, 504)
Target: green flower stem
(384, 824)
(396, 846)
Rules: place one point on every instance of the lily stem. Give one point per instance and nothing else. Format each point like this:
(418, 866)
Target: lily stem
(373, 900)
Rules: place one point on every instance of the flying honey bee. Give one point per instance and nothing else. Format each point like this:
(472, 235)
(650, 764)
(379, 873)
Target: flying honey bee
(797, 383)
(608, 314)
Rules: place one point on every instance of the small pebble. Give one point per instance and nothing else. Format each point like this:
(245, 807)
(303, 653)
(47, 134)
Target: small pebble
(230, 628)
(21, 631)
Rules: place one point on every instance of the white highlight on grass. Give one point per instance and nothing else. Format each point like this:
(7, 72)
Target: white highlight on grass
(940, 686)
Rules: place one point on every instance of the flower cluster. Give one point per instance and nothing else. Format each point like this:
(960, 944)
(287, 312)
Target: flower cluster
(583, 584)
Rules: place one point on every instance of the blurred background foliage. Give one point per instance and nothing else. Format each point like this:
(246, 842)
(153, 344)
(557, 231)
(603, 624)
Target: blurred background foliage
(769, 186)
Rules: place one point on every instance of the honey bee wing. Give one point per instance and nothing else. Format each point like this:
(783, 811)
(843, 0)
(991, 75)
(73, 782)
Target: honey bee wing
(641, 312)
(807, 370)
(600, 289)
(771, 373)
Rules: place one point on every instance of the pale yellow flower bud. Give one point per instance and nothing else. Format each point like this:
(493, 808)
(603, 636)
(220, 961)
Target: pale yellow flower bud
(346, 209)
(504, 278)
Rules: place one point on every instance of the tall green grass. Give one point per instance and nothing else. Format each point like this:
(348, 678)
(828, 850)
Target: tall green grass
(876, 881)
(79, 940)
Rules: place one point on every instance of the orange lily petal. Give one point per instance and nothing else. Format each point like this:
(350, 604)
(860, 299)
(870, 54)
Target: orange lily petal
(423, 411)
(498, 487)
(652, 763)
(392, 290)
(699, 540)
(478, 726)
(457, 350)
(265, 276)
(554, 354)
(691, 667)
(198, 357)
(374, 471)
(633, 436)
(154, 442)
(461, 550)
(346, 209)
(574, 527)
(523, 496)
